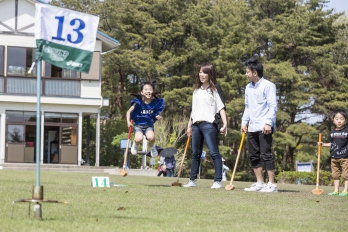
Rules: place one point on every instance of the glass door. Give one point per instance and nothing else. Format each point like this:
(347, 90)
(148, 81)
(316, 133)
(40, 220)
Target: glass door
(30, 140)
(69, 145)
(51, 144)
(15, 143)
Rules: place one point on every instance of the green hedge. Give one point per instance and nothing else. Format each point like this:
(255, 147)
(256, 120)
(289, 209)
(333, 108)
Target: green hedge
(308, 178)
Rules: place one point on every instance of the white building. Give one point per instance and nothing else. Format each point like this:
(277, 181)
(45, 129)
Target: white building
(66, 97)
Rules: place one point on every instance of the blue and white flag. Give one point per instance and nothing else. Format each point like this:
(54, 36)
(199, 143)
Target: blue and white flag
(65, 38)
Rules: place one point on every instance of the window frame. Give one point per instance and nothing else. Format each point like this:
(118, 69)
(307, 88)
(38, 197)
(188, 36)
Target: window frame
(2, 56)
(44, 65)
(61, 117)
(27, 64)
(44, 76)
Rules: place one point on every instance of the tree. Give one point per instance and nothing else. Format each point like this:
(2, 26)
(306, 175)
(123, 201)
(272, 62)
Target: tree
(302, 47)
(290, 49)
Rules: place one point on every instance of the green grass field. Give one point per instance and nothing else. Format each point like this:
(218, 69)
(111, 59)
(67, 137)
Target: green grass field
(152, 204)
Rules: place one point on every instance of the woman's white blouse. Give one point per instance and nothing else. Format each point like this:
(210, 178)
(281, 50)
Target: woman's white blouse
(205, 104)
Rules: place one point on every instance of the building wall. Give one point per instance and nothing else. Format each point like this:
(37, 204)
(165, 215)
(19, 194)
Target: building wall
(7, 13)
(90, 99)
(24, 18)
(23, 106)
(89, 88)
(16, 41)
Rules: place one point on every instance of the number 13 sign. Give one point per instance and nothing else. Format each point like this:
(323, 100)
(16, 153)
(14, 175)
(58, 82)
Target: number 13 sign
(65, 38)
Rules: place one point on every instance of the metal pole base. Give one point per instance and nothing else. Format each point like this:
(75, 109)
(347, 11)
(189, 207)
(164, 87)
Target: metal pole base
(37, 211)
(37, 206)
(37, 193)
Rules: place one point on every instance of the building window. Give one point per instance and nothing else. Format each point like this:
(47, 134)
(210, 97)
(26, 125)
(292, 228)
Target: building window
(70, 118)
(19, 61)
(53, 117)
(16, 129)
(15, 61)
(50, 70)
(69, 135)
(61, 118)
(20, 116)
(14, 116)
(15, 133)
(30, 116)
(1, 60)
(2, 65)
(63, 73)
(46, 69)
(1, 84)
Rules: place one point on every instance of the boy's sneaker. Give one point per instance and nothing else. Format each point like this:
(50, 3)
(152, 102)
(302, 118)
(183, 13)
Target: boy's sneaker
(269, 188)
(216, 185)
(191, 183)
(334, 194)
(343, 194)
(154, 152)
(134, 149)
(255, 187)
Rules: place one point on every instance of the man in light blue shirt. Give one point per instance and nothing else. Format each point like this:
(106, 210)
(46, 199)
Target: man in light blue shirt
(260, 117)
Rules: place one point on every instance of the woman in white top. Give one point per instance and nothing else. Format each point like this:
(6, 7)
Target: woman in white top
(206, 102)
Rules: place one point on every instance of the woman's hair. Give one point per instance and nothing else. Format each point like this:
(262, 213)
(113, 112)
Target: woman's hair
(207, 68)
(339, 111)
(155, 94)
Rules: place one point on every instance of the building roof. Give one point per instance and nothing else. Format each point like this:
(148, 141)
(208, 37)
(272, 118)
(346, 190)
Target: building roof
(37, 1)
(108, 42)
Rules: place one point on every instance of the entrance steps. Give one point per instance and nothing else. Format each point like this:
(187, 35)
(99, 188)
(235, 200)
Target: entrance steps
(74, 168)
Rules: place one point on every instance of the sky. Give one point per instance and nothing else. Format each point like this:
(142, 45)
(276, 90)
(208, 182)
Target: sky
(338, 5)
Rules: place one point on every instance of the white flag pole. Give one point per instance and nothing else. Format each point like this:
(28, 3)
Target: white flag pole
(38, 119)
(37, 193)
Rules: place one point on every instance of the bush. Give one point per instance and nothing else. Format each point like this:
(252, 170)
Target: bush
(308, 178)
(244, 176)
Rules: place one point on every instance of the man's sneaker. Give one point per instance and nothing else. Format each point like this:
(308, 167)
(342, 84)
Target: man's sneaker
(255, 187)
(269, 188)
(216, 185)
(154, 152)
(334, 194)
(134, 149)
(191, 183)
(343, 194)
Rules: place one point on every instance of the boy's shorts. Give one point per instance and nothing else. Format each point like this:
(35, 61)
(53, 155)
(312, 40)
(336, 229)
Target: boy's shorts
(338, 165)
(143, 129)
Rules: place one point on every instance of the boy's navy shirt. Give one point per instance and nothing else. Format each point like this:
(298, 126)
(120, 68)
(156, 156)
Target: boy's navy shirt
(145, 114)
(339, 143)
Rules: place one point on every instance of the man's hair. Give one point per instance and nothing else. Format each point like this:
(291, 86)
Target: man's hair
(339, 111)
(254, 65)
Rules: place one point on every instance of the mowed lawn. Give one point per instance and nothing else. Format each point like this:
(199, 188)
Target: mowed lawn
(152, 204)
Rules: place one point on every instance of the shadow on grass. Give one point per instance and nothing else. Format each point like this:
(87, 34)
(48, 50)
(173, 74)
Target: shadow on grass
(288, 191)
(122, 217)
(157, 185)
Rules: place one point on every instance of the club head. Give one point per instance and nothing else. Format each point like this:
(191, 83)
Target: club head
(177, 184)
(317, 191)
(122, 173)
(230, 187)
